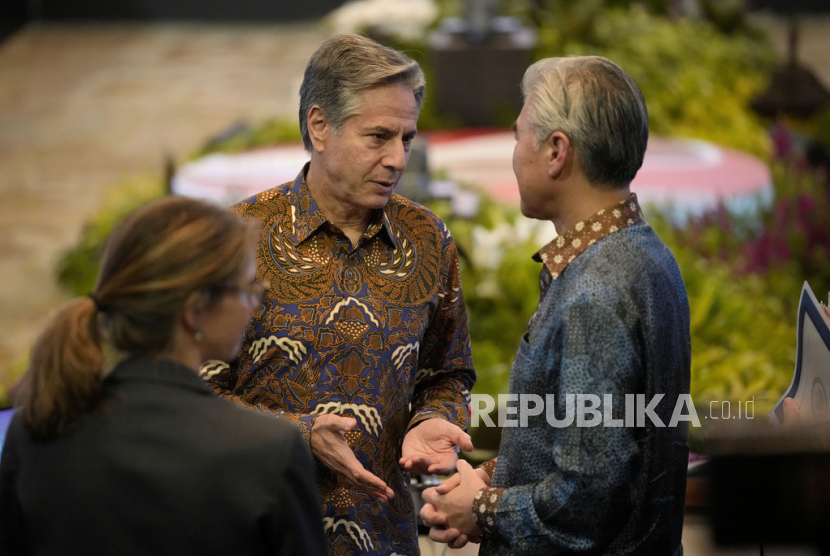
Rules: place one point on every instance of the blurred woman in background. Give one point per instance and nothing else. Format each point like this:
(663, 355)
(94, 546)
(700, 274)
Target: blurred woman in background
(118, 446)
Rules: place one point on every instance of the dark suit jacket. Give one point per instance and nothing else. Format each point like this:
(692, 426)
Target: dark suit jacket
(163, 467)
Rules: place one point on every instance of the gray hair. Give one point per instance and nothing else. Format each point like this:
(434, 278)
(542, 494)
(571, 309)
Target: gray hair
(344, 66)
(598, 106)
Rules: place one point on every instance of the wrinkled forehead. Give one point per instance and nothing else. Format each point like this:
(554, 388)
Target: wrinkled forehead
(391, 103)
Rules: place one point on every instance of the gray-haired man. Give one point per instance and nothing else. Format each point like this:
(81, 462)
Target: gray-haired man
(362, 340)
(612, 322)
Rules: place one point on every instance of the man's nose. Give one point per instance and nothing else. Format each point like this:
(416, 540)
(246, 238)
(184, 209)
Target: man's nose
(396, 156)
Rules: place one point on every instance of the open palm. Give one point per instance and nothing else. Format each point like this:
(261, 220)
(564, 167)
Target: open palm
(430, 447)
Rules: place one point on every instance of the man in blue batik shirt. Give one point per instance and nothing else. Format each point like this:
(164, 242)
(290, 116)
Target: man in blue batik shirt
(612, 320)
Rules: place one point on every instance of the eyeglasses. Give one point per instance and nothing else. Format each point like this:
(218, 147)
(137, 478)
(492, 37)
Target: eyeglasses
(254, 290)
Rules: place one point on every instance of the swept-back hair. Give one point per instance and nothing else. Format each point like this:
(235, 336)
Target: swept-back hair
(344, 66)
(153, 261)
(598, 106)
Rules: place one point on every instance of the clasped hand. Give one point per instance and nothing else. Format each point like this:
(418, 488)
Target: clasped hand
(448, 511)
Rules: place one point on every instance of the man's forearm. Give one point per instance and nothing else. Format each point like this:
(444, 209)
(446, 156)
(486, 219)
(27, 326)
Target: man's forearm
(445, 396)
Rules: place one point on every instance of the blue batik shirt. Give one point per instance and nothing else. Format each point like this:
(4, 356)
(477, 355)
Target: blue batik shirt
(613, 319)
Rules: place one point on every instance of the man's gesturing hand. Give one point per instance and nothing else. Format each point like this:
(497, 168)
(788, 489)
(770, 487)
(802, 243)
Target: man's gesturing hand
(328, 443)
(430, 447)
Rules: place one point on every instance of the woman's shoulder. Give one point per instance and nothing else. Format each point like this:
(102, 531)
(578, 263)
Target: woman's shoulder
(253, 426)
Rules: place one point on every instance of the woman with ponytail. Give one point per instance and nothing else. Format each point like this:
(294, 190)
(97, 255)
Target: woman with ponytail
(117, 446)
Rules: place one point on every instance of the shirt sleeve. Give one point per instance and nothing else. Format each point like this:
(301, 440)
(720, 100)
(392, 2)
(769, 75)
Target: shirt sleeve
(225, 377)
(445, 366)
(586, 499)
(489, 466)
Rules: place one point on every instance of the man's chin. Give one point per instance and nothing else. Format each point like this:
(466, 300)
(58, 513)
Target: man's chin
(380, 200)
(527, 210)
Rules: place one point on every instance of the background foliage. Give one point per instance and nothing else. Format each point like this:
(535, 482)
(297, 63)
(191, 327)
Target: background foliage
(78, 267)
(697, 74)
(697, 81)
(696, 78)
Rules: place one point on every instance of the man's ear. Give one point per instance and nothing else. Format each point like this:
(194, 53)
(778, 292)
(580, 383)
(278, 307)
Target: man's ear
(560, 154)
(319, 128)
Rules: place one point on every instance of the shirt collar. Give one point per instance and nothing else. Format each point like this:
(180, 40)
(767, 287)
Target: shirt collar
(306, 216)
(559, 253)
(385, 224)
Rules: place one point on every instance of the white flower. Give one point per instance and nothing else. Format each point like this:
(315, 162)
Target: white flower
(614, 228)
(616, 213)
(557, 259)
(523, 230)
(576, 243)
(487, 247)
(489, 288)
(579, 226)
(406, 19)
(596, 226)
(560, 242)
(630, 221)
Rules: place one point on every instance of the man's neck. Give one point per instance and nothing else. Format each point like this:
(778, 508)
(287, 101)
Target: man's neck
(585, 202)
(352, 220)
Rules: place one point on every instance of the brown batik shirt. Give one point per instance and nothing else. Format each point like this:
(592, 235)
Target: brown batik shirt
(377, 332)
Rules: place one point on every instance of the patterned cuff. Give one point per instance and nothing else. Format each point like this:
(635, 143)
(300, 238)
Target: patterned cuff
(484, 509)
(304, 422)
(426, 415)
(420, 418)
(489, 466)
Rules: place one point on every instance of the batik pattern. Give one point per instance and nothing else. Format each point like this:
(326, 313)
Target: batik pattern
(613, 320)
(377, 332)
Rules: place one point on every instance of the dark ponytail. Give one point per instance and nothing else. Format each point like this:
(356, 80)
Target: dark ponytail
(63, 378)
